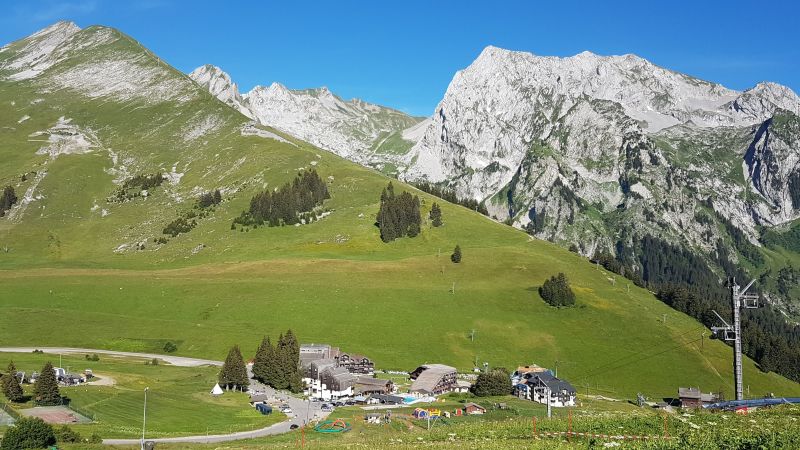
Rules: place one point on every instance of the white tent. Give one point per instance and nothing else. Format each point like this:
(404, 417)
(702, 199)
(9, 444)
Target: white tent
(217, 390)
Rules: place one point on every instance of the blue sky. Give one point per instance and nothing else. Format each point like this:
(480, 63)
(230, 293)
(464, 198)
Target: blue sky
(404, 54)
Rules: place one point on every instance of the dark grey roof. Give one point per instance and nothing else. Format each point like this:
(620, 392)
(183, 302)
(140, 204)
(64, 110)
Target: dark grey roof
(388, 398)
(259, 398)
(689, 393)
(555, 384)
(372, 381)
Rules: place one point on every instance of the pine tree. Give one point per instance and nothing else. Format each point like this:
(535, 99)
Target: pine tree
(436, 215)
(279, 380)
(7, 200)
(294, 377)
(261, 361)
(234, 371)
(45, 390)
(11, 387)
(272, 370)
(557, 292)
(456, 256)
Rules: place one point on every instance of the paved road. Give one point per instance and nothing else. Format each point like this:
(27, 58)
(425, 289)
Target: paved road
(174, 360)
(302, 410)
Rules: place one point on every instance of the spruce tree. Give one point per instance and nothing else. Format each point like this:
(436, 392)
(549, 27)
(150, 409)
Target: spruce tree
(557, 292)
(294, 376)
(272, 365)
(234, 371)
(45, 390)
(279, 380)
(436, 215)
(456, 256)
(261, 362)
(11, 387)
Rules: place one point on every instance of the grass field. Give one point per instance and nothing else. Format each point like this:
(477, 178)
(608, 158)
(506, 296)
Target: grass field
(178, 400)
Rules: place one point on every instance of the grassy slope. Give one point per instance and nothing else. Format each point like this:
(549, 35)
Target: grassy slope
(332, 281)
(178, 401)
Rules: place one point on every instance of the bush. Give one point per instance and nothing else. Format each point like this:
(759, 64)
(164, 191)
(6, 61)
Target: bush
(67, 434)
(93, 357)
(493, 382)
(556, 291)
(28, 432)
(170, 347)
(95, 439)
(456, 256)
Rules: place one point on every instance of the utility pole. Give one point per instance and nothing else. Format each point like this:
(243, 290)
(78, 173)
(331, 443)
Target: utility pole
(547, 395)
(472, 335)
(144, 415)
(453, 290)
(739, 299)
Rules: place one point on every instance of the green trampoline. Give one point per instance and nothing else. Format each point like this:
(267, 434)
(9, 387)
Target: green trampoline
(332, 426)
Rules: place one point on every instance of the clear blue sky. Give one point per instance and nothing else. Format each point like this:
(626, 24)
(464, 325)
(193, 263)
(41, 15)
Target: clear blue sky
(404, 54)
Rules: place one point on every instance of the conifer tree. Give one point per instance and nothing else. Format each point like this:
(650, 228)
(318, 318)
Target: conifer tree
(557, 292)
(261, 362)
(7, 200)
(456, 256)
(45, 390)
(292, 362)
(11, 387)
(278, 376)
(234, 371)
(436, 215)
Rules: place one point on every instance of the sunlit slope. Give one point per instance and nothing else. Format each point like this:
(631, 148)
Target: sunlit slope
(80, 270)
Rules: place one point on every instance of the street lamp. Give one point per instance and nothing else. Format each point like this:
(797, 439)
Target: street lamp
(144, 415)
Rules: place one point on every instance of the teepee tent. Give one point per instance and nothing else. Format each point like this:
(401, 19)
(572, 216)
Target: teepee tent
(217, 390)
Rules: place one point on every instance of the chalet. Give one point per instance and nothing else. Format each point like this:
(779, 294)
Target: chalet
(462, 386)
(333, 383)
(524, 372)
(369, 385)
(692, 398)
(313, 352)
(355, 363)
(474, 408)
(537, 387)
(433, 379)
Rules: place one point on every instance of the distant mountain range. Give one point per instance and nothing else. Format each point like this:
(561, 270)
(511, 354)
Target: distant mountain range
(363, 132)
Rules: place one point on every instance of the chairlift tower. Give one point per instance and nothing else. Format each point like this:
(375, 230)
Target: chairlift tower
(739, 299)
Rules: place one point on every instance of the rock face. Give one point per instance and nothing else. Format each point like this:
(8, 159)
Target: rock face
(363, 132)
(593, 150)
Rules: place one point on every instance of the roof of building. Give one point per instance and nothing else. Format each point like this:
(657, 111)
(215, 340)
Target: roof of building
(463, 384)
(323, 363)
(258, 398)
(555, 384)
(388, 398)
(532, 368)
(430, 377)
(474, 405)
(314, 347)
(689, 393)
(372, 381)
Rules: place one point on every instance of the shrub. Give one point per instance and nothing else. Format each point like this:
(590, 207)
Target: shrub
(493, 382)
(28, 432)
(67, 434)
(557, 292)
(170, 347)
(95, 439)
(93, 357)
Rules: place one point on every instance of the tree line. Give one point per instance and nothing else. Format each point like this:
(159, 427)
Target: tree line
(451, 196)
(685, 281)
(277, 366)
(290, 204)
(8, 200)
(399, 215)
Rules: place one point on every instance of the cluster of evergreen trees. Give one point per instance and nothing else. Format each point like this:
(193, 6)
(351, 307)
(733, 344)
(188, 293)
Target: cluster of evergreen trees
(494, 382)
(398, 215)
(207, 199)
(8, 200)
(288, 205)
(557, 292)
(450, 195)
(45, 390)
(233, 374)
(279, 366)
(435, 215)
(133, 187)
(685, 281)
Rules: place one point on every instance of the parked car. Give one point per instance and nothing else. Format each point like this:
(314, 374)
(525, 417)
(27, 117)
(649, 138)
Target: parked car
(293, 426)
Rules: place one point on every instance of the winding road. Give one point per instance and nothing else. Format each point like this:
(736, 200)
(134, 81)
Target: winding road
(302, 410)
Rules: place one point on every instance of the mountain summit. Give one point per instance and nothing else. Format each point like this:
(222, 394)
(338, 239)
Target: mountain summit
(362, 132)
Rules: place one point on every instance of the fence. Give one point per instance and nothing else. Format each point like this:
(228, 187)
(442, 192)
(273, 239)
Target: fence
(569, 433)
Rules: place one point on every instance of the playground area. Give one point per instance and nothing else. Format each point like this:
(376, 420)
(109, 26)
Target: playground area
(55, 415)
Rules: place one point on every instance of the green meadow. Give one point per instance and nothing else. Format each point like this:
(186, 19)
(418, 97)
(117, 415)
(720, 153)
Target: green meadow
(178, 399)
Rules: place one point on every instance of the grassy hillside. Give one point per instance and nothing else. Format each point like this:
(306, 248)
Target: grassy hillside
(75, 274)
